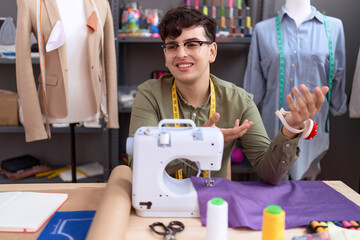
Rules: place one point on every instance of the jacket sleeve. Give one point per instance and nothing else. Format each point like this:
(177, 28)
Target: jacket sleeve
(110, 68)
(270, 160)
(338, 95)
(26, 86)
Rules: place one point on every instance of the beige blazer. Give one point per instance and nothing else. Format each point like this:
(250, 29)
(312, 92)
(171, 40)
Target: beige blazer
(30, 91)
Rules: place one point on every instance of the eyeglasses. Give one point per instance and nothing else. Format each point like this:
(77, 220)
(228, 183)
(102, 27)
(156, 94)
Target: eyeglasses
(191, 47)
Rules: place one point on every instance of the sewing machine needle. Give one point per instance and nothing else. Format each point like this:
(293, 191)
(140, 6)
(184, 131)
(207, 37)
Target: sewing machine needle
(209, 181)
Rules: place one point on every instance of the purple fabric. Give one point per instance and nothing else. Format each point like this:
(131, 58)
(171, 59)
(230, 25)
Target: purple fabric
(302, 201)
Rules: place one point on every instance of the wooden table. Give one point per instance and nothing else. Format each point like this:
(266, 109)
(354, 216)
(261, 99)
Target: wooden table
(86, 196)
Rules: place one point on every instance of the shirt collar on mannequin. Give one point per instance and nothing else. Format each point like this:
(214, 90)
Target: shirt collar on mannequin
(299, 10)
(314, 14)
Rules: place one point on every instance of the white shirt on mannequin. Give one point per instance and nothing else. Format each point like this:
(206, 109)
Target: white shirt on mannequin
(298, 10)
(80, 99)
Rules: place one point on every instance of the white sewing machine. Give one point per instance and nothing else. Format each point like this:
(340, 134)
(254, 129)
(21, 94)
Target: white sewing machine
(154, 192)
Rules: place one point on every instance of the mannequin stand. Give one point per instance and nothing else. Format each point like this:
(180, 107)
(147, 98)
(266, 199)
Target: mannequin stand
(73, 151)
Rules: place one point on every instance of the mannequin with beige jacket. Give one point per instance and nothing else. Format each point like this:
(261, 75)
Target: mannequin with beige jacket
(77, 35)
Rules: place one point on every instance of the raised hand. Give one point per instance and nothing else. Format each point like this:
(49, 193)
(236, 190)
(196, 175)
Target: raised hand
(229, 133)
(306, 106)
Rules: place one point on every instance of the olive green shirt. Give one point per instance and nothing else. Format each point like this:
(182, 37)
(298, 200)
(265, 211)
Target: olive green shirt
(270, 160)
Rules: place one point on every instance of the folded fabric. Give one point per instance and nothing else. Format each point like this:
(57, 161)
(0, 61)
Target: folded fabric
(7, 48)
(24, 174)
(302, 201)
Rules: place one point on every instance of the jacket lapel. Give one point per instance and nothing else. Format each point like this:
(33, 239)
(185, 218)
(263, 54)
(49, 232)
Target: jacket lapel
(92, 21)
(54, 16)
(92, 25)
(52, 11)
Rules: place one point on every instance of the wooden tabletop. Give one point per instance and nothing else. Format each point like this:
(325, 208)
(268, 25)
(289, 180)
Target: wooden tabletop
(86, 196)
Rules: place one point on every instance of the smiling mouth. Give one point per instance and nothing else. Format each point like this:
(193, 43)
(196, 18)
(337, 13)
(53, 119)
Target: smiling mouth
(184, 65)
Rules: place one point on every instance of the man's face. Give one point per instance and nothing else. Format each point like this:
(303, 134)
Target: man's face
(189, 64)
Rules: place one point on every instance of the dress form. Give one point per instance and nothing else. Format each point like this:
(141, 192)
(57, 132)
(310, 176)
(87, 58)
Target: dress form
(298, 10)
(80, 99)
(49, 95)
(305, 63)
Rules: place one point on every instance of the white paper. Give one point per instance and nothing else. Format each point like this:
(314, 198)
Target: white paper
(339, 233)
(56, 38)
(91, 169)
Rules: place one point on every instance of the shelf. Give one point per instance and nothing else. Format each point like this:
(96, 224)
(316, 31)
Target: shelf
(125, 109)
(57, 179)
(236, 40)
(12, 61)
(243, 171)
(20, 129)
(139, 40)
(7, 61)
(221, 40)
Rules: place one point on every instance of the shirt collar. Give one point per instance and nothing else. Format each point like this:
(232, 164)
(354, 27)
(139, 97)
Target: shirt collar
(188, 104)
(314, 14)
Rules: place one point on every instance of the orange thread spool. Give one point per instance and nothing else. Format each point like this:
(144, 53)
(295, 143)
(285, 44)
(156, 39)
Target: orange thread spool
(273, 223)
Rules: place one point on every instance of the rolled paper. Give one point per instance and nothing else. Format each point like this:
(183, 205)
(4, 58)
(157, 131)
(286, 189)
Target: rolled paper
(112, 215)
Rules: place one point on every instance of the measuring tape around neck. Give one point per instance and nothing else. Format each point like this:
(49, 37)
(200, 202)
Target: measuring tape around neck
(175, 102)
(282, 61)
(176, 114)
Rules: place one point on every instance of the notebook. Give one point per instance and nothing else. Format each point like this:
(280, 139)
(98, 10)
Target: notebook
(27, 211)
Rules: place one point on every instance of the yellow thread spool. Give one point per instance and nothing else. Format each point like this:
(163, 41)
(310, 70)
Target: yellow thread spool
(248, 21)
(273, 223)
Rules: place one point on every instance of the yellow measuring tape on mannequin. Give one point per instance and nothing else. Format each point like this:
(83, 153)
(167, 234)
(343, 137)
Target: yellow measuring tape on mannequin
(175, 103)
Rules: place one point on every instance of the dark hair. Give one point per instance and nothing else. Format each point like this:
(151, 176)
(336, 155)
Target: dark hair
(185, 17)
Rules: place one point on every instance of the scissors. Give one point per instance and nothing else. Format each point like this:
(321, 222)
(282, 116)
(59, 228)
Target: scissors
(168, 231)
